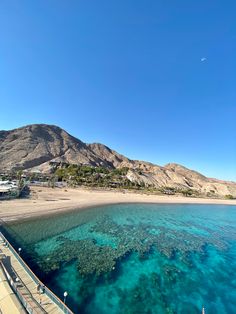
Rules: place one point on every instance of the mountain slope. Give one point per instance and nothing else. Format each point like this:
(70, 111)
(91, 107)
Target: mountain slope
(34, 147)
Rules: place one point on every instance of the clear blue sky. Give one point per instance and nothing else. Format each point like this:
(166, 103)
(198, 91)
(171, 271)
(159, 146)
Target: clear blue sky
(126, 73)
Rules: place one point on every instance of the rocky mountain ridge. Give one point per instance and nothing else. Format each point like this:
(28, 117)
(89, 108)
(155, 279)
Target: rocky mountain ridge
(35, 147)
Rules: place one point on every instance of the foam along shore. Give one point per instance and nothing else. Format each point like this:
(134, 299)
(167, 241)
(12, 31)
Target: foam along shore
(44, 201)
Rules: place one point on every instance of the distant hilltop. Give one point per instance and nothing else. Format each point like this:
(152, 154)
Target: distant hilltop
(37, 147)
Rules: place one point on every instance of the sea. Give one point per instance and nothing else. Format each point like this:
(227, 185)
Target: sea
(135, 258)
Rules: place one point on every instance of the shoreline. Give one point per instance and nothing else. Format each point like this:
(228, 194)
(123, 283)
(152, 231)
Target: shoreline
(46, 201)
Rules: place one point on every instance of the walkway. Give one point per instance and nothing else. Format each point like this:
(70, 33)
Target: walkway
(25, 284)
(8, 301)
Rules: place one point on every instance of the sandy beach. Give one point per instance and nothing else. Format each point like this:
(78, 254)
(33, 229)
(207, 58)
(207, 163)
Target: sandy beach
(45, 201)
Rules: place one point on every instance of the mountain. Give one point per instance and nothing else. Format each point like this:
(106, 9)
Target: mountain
(35, 147)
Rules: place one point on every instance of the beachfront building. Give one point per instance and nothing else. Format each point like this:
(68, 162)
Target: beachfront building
(9, 189)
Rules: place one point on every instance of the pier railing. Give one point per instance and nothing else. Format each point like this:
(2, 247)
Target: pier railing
(47, 291)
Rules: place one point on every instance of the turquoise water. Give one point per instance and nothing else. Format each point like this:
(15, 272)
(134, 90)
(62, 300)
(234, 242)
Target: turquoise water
(136, 258)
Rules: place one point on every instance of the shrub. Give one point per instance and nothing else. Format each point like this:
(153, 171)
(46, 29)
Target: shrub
(229, 197)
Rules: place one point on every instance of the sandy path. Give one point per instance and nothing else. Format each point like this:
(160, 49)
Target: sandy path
(44, 201)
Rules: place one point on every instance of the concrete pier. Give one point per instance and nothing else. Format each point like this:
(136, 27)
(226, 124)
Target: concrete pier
(23, 291)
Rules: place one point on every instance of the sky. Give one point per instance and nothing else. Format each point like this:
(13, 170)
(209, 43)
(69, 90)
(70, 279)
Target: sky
(153, 79)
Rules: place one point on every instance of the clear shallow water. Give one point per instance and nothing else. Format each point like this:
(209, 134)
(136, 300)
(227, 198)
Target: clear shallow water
(136, 258)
